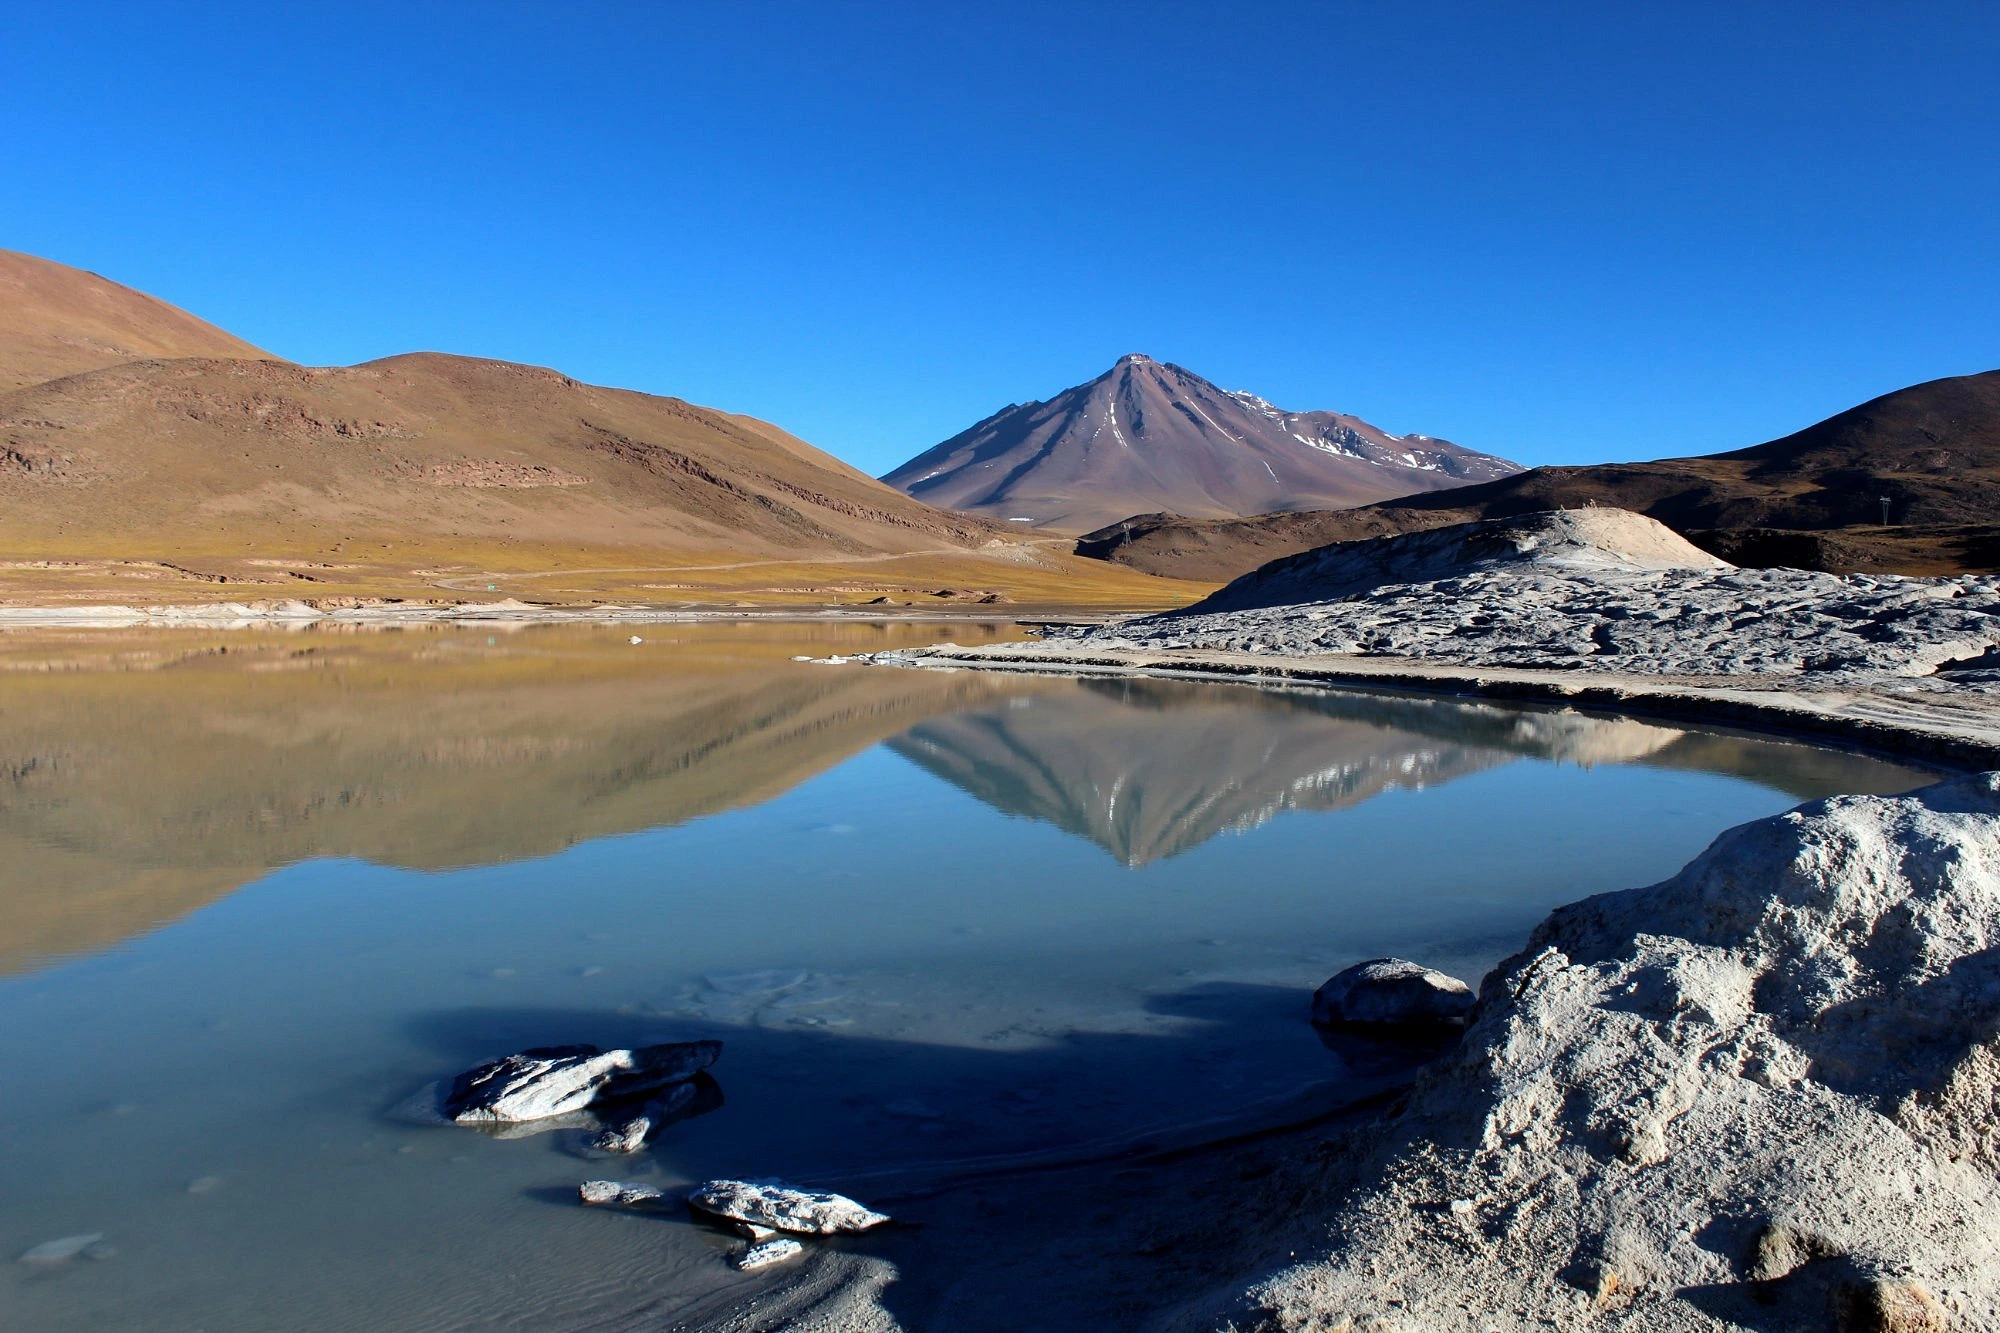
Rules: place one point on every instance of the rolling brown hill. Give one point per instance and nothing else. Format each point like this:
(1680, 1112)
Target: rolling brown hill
(56, 320)
(1147, 434)
(1812, 499)
(424, 445)
(203, 463)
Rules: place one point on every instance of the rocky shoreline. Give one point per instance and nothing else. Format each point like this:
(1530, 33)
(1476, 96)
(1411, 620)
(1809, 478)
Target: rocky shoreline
(1761, 1094)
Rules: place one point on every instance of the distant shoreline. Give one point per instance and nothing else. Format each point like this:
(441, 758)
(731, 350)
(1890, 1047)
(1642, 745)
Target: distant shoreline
(300, 615)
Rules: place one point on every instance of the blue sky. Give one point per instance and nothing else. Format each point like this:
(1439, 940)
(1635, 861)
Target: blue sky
(1564, 233)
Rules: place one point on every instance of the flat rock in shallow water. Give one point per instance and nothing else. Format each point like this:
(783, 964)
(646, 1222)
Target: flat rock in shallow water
(784, 1209)
(548, 1081)
(89, 1246)
(601, 1192)
(1392, 993)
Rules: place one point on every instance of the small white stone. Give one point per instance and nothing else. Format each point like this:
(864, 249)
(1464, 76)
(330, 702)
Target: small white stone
(768, 1253)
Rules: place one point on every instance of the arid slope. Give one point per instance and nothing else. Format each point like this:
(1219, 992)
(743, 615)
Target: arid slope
(147, 457)
(56, 320)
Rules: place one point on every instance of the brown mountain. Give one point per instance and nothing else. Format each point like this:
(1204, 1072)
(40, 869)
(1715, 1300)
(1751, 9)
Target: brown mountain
(1812, 500)
(56, 321)
(146, 454)
(1150, 435)
(161, 454)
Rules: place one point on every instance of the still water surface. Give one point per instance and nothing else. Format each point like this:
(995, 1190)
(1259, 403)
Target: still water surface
(256, 889)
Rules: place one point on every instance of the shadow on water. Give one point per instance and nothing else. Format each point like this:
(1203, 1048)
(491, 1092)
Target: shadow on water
(992, 1108)
(965, 1144)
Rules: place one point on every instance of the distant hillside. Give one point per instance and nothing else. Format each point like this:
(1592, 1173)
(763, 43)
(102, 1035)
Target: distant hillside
(1812, 499)
(1149, 435)
(154, 454)
(56, 321)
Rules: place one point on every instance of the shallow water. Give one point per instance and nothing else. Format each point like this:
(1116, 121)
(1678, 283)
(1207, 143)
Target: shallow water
(252, 899)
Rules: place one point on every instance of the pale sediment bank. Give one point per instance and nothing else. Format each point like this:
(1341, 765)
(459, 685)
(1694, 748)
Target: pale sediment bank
(509, 612)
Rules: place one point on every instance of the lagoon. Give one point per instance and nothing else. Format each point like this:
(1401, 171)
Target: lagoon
(257, 888)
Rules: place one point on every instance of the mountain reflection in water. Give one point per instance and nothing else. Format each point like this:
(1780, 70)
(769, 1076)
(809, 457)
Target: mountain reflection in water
(1147, 769)
(143, 775)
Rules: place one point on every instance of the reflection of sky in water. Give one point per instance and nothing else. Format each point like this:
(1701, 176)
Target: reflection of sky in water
(903, 974)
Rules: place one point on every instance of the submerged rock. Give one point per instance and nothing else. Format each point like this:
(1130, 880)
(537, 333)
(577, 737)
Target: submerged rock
(1392, 993)
(769, 1252)
(551, 1081)
(631, 1135)
(89, 1246)
(623, 1139)
(783, 1208)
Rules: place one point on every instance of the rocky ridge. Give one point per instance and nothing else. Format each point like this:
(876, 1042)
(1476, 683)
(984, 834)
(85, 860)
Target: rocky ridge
(1583, 590)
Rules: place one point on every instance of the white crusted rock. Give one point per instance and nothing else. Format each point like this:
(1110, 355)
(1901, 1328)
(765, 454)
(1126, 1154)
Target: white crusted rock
(601, 1192)
(1392, 993)
(552, 1081)
(1760, 1094)
(1580, 590)
(783, 1208)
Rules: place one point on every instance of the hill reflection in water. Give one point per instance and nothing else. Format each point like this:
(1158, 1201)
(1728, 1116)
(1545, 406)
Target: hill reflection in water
(142, 776)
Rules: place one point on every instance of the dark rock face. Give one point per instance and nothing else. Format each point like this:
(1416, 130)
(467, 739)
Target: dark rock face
(1391, 993)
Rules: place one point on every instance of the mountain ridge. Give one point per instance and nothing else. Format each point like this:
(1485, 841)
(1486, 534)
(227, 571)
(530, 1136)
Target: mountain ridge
(1810, 499)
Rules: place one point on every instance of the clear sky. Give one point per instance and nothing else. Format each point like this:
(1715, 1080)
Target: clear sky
(1563, 233)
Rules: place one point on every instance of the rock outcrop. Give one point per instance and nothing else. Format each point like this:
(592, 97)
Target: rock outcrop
(1583, 541)
(1765, 1093)
(1590, 590)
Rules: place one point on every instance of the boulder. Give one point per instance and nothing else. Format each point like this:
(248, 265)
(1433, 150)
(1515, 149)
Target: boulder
(549, 1081)
(783, 1208)
(1392, 993)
